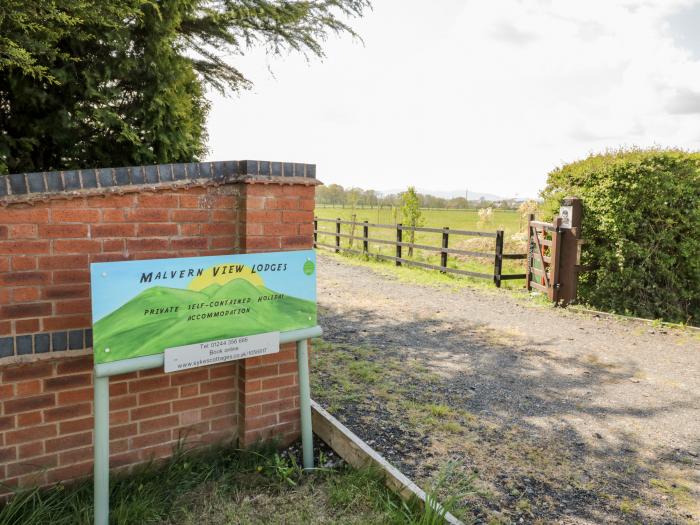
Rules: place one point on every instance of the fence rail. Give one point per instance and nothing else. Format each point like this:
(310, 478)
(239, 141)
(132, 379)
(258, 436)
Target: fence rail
(444, 250)
(413, 228)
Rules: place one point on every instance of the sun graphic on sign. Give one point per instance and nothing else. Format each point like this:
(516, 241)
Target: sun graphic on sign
(224, 273)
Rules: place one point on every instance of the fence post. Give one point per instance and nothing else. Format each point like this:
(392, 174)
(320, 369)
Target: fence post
(445, 241)
(365, 235)
(399, 236)
(530, 251)
(315, 231)
(570, 250)
(555, 265)
(498, 259)
(337, 235)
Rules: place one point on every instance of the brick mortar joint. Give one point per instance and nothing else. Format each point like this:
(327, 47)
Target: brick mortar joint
(40, 358)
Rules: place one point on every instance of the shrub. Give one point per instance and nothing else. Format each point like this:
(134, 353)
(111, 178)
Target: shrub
(641, 223)
(485, 216)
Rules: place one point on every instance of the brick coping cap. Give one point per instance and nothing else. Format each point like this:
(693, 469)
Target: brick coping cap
(23, 186)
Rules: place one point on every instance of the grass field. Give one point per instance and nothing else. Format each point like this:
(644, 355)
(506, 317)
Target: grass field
(509, 221)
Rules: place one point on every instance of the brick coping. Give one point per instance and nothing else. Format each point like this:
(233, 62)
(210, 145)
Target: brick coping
(20, 187)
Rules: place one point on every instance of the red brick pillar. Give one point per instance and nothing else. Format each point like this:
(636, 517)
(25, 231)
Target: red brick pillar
(276, 217)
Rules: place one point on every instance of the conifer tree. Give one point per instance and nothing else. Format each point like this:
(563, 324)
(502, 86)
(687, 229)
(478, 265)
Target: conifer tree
(90, 83)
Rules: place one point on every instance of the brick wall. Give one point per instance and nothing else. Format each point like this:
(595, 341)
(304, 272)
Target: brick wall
(48, 239)
(46, 247)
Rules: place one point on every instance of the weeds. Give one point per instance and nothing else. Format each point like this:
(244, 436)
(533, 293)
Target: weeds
(286, 470)
(437, 505)
(440, 410)
(144, 495)
(220, 486)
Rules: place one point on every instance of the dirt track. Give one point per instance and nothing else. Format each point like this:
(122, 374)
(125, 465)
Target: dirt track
(560, 417)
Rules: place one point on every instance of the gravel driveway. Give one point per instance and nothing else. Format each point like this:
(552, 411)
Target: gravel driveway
(562, 416)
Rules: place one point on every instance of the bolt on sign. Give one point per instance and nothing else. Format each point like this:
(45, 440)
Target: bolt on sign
(566, 212)
(202, 310)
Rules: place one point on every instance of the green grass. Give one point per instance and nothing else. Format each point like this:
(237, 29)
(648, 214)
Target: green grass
(676, 489)
(365, 371)
(440, 410)
(222, 486)
(510, 221)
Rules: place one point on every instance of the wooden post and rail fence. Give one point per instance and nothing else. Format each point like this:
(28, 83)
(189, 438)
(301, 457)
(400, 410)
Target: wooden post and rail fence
(552, 259)
(498, 276)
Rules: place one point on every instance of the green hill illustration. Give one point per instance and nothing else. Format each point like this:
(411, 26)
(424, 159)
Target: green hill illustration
(127, 332)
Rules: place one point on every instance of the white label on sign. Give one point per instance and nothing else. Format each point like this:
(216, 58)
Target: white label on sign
(565, 214)
(214, 352)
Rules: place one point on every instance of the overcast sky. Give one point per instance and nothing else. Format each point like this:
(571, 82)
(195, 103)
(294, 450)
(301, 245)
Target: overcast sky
(478, 94)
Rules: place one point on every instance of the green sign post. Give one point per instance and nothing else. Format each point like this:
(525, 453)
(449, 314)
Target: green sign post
(189, 312)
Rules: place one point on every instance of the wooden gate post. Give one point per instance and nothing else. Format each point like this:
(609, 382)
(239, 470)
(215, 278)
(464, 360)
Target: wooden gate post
(571, 212)
(555, 265)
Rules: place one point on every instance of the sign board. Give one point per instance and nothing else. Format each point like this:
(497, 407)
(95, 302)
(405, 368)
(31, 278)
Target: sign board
(565, 212)
(142, 308)
(214, 352)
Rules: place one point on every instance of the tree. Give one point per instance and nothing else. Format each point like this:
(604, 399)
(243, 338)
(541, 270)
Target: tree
(353, 196)
(458, 203)
(87, 83)
(412, 216)
(336, 194)
(371, 197)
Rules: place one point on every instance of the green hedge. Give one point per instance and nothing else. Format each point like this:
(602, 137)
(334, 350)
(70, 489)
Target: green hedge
(642, 226)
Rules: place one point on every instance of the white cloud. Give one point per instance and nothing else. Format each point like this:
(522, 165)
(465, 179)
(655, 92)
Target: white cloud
(685, 102)
(489, 95)
(512, 34)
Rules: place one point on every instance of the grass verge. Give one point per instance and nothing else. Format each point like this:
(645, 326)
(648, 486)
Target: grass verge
(365, 385)
(416, 275)
(224, 485)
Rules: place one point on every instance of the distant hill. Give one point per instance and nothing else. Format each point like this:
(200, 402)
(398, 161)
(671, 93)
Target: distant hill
(127, 332)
